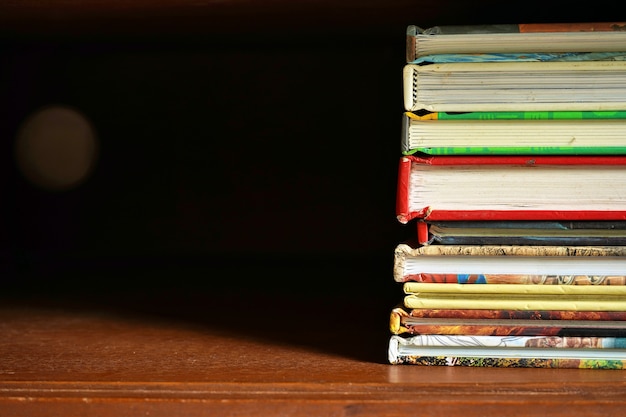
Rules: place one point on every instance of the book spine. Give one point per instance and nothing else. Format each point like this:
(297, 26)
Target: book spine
(423, 235)
(402, 195)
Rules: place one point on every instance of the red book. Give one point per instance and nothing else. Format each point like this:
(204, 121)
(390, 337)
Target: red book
(493, 187)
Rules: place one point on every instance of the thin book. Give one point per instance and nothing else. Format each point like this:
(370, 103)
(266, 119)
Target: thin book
(411, 351)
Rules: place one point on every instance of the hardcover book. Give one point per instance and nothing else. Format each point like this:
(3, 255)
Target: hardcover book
(511, 38)
(511, 264)
(503, 187)
(515, 86)
(493, 134)
(515, 296)
(507, 322)
(411, 350)
(520, 232)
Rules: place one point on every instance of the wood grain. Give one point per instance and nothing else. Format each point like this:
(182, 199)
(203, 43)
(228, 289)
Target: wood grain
(188, 355)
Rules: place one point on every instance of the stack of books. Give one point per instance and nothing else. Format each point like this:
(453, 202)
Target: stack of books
(513, 173)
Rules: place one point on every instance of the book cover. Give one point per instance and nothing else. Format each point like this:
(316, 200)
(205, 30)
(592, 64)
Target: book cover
(519, 57)
(507, 322)
(509, 38)
(515, 296)
(516, 302)
(514, 291)
(409, 351)
(567, 233)
(515, 86)
(488, 133)
(511, 187)
(519, 341)
(509, 314)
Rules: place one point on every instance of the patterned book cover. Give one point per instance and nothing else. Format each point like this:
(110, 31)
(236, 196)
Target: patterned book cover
(479, 264)
(407, 351)
(402, 322)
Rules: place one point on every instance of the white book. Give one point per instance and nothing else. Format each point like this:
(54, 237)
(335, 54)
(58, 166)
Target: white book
(515, 86)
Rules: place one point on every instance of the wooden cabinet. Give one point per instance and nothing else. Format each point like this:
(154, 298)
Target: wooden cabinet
(230, 252)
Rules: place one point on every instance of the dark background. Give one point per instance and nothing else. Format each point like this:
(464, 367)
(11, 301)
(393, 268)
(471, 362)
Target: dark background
(251, 137)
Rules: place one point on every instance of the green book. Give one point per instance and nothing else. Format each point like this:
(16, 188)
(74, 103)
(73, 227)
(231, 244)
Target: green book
(515, 133)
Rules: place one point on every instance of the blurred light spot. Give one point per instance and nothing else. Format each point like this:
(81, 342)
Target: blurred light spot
(56, 148)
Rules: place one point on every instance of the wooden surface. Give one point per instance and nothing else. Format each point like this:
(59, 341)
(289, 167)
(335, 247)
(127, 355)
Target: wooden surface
(168, 352)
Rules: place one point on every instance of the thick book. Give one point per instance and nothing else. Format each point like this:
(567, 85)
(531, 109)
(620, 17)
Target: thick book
(511, 187)
(489, 133)
(520, 232)
(401, 321)
(515, 296)
(515, 86)
(511, 38)
(412, 351)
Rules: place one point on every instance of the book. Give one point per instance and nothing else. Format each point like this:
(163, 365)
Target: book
(489, 133)
(510, 264)
(519, 341)
(515, 86)
(505, 321)
(402, 322)
(469, 313)
(520, 57)
(518, 297)
(411, 351)
(521, 232)
(511, 187)
(509, 38)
